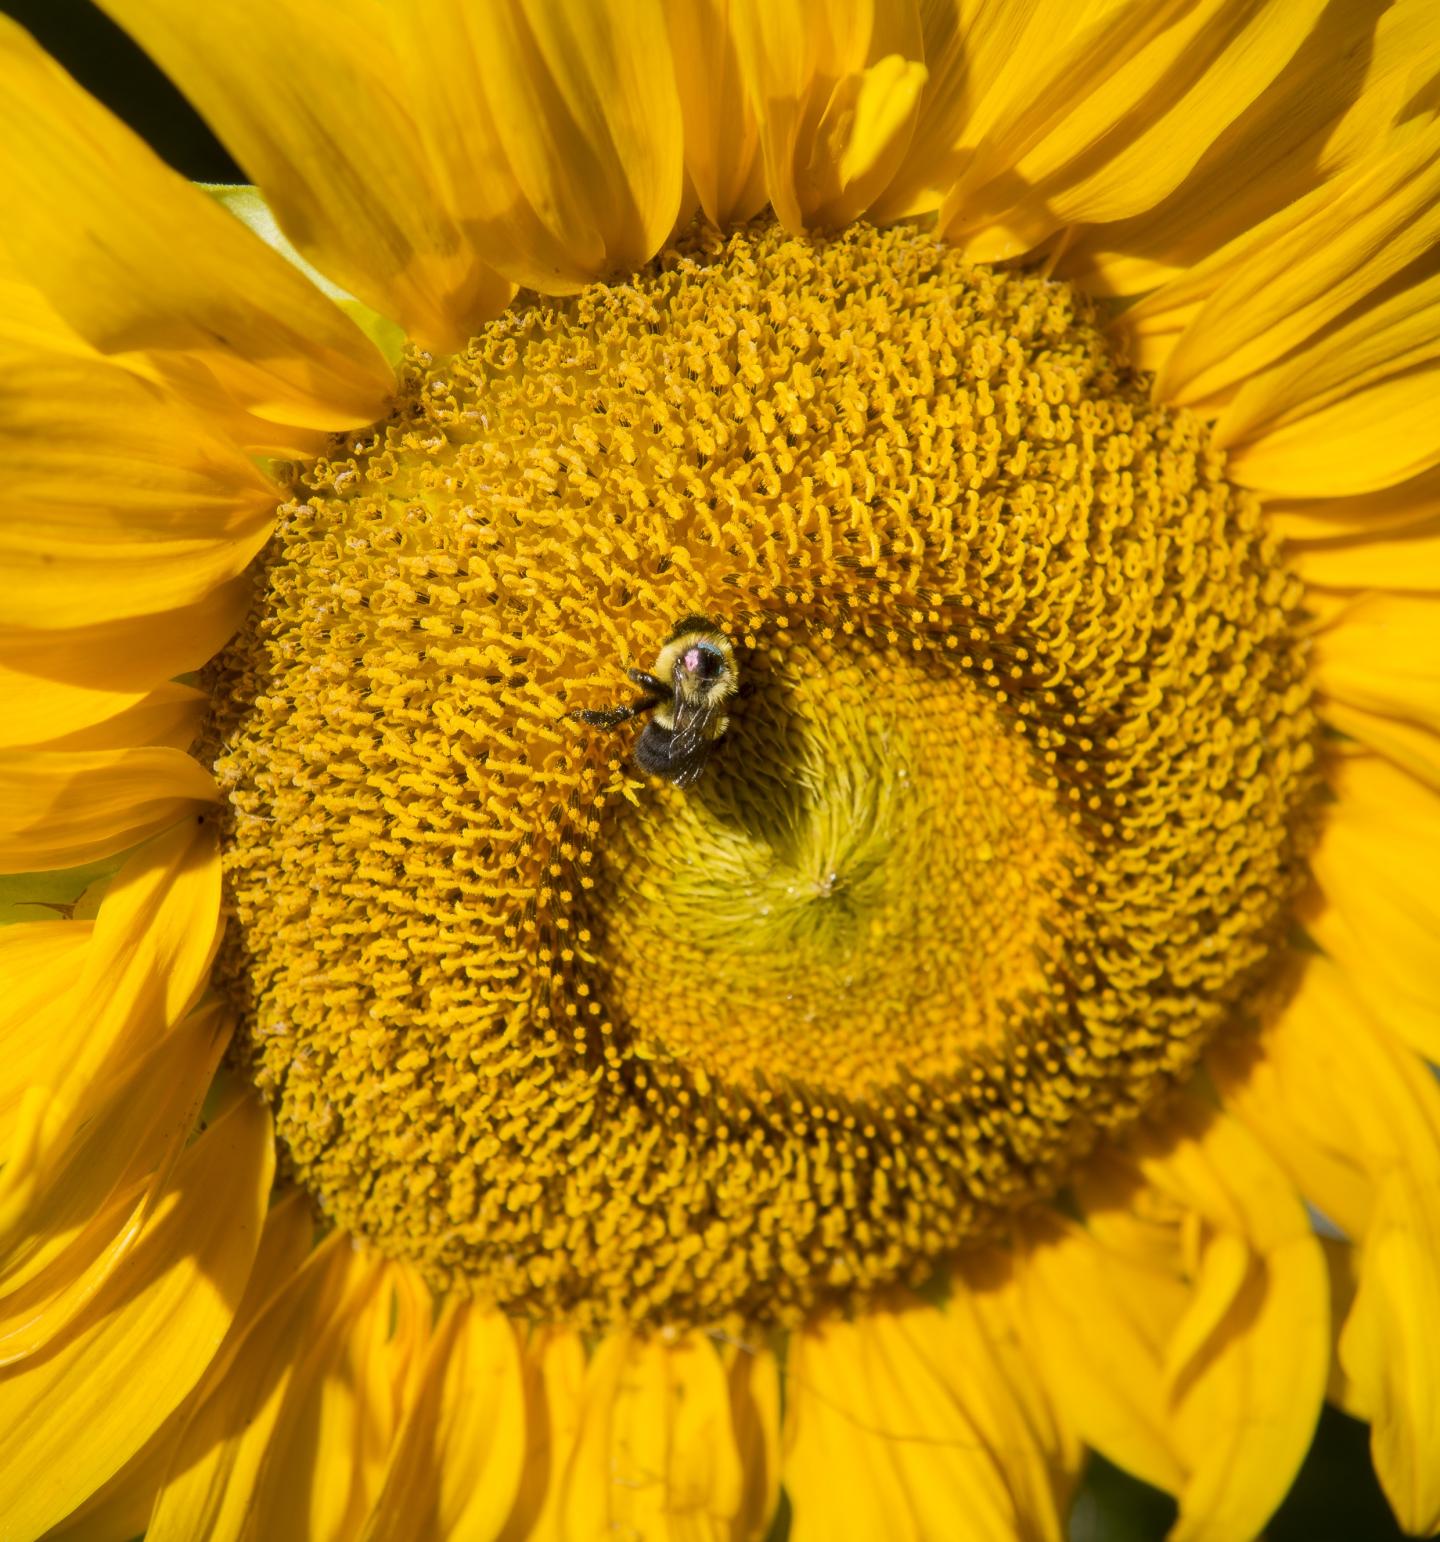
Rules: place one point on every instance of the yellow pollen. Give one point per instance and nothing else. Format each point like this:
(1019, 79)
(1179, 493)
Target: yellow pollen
(1006, 824)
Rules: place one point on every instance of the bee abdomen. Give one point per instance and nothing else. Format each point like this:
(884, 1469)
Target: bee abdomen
(656, 752)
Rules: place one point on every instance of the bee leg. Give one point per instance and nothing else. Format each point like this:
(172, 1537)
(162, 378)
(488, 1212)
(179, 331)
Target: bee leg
(649, 683)
(612, 717)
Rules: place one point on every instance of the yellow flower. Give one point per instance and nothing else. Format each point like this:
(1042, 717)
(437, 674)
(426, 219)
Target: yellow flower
(417, 1123)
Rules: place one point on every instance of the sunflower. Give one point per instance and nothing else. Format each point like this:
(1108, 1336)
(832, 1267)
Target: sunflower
(417, 1122)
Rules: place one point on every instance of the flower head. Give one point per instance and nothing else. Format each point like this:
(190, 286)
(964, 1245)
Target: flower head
(1034, 407)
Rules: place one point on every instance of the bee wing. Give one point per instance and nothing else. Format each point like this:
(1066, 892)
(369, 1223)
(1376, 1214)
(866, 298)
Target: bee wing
(692, 723)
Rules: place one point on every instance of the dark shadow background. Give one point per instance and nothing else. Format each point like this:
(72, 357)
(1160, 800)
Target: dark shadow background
(1336, 1498)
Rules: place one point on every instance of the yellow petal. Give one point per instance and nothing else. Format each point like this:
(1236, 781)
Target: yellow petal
(77, 1225)
(966, 48)
(248, 206)
(554, 1377)
(71, 425)
(1355, 1118)
(1100, 1321)
(1187, 1329)
(57, 681)
(655, 1454)
(1327, 253)
(1244, 1404)
(147, 959)
(1401, 741)
(1398, 559)
(454, 1470)
(1329, 107)
(52, 580)
(836, 91)
(1375, 659)
(59, 808)
(169, 715)
(1389, 1349)
(556, 130)
(1342, 1259)
(985, 1312)
(840, 1473)
(120, 1508)
(1379, 915)
(754, 1378)
(1115, 122)
(916, 1402)
(185, 279)
(75, 1415)
(371, 1382)
(183, 511)
(1335, 1099)
(39, 967)
(355, 191)
(1392, 510)
(722, 140)
(282, 1446)
(1351, 413)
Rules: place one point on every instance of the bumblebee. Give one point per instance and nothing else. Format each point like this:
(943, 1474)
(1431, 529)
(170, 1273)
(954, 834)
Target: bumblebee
(694, 675)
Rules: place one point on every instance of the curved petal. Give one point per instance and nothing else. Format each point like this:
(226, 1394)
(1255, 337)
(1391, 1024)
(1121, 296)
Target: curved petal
(355, 191)
(1200, 1255)
(185, 280)
(146, 960)
(77, 1225)
(840, 1471)
(1119, 118)
(1349, 81)
(1405, 743)
(53, 580)
(59, 808)
(170, 715)
(1379, 914)
(1351, 413)
(455, 1467)
(1374, 660)
(56, 681)
(722, 139)
(1355, 1119)
(1407, 558)
(1389, 1349)
(100, 453)
(1335, 1099)
(1390, 510)
(553, 1366)
(40, 966)
(905, 1422)
(1330, 251)
(755, 1407)
(291, 1441)
(556, 130)
(836, 90)
(1247, 1398)
(120, 1508)
(972, 52)
(655, 1453)
(77, 1414)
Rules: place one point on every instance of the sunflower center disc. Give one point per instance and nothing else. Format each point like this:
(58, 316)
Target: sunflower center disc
(1004, 829)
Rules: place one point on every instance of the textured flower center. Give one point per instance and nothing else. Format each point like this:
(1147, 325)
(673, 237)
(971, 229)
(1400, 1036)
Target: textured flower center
(1005, 825)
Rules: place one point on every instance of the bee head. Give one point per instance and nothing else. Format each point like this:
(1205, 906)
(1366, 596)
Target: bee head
(703, 662)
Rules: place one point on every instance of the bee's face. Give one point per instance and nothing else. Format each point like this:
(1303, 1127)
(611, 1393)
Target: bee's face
(702, 663)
